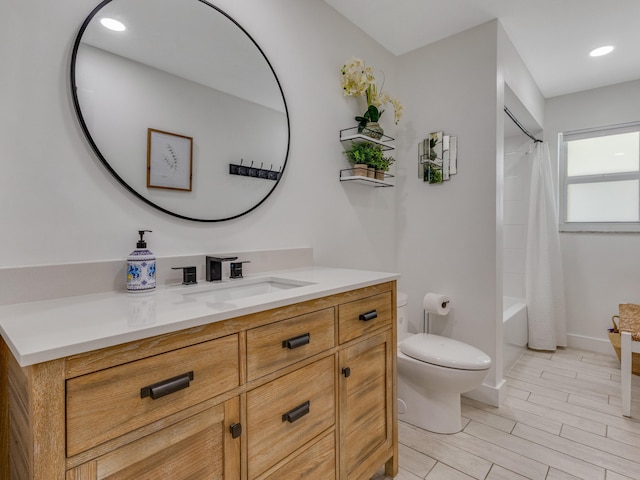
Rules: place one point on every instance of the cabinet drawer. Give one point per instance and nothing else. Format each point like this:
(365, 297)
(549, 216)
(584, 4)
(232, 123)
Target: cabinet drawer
(108, 403)
(284, 414)
(196, 447)
(363, 316)
(317, 462)
(275, 346)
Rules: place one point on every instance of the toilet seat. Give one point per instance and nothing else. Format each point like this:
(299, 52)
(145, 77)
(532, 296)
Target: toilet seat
(444, 352)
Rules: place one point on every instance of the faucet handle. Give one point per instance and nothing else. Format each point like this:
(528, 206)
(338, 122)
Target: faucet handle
(220, 259)
(189, 276)
(236, 269)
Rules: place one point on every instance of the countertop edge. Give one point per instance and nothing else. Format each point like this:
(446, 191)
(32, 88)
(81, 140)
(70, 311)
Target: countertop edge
(25, 359)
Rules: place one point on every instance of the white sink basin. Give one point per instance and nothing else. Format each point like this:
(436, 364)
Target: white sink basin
(234, 289)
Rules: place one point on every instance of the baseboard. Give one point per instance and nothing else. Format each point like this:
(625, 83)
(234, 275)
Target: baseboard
(489, 394)
(590, 344)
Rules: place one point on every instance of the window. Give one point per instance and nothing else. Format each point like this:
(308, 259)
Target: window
(600, 179)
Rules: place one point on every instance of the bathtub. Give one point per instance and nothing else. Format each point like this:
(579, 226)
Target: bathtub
(514, 331)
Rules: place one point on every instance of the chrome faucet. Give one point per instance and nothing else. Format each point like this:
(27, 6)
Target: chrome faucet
(214, 267)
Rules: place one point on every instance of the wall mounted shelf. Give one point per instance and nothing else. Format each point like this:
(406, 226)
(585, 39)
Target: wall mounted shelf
(351, 135)
(347, 175)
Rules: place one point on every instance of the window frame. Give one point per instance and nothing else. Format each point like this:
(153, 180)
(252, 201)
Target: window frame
(565, 181)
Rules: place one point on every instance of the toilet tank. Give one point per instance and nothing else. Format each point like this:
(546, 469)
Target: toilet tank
(402, 318)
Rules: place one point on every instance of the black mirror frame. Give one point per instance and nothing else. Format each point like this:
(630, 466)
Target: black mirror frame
(104, 161)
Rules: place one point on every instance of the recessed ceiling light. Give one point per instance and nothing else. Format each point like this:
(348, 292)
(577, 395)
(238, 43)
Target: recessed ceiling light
(112, 24)
(598, 52)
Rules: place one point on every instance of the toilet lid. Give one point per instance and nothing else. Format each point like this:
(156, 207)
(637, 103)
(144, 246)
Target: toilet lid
(445, 352)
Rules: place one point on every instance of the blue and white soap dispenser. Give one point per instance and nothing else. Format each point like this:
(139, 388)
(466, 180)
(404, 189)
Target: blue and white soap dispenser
(141, 267)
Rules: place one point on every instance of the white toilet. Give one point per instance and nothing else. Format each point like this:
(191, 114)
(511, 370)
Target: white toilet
(432, 373)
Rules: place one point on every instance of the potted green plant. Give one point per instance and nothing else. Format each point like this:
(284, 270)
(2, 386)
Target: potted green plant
(366, 156)
(359, 155)
(382, 164)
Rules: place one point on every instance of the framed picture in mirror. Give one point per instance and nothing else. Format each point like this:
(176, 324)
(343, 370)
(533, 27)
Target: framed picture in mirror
(169, 160)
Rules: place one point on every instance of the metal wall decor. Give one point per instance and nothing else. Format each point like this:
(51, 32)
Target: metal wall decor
(437, 157)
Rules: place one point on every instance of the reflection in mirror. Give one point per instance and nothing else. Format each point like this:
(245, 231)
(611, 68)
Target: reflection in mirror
(186, 68)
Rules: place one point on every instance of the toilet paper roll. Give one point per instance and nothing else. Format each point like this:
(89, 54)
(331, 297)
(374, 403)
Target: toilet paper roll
(436, 303)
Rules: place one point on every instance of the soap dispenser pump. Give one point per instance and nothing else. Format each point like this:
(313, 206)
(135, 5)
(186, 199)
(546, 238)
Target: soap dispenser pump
(141, 267)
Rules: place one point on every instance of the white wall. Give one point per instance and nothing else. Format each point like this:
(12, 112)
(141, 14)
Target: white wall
(600, 269)
(450, 235)
(447, 232)
(515, 74)
(60, 205)
(522, 96)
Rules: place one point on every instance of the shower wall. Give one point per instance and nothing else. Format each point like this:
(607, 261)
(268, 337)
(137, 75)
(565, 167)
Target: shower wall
(517, 176)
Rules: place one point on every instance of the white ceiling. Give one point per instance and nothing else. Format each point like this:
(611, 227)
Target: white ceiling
(553, 37)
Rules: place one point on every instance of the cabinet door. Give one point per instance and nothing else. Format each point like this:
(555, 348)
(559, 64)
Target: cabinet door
(366, 413)
(199, 447)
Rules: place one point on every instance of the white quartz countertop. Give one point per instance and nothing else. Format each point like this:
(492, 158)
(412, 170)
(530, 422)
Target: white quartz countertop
(46, 330)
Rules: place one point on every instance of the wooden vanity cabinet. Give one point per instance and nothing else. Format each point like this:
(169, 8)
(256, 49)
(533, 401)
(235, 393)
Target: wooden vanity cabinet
(305, 391)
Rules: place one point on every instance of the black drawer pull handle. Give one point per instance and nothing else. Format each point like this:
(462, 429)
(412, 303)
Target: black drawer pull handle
(365, 317)
(296, 413)
(166, 387)
(296, 342)
(235, 429)
(346, 371)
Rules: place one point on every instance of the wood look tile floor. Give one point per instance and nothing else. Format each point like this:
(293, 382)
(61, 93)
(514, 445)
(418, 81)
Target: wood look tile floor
(561, 420)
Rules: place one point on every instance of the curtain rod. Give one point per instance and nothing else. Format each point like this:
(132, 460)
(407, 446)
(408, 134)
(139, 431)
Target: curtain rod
(520, 126)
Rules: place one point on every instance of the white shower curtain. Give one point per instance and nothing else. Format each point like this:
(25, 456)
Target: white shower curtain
(543, 270)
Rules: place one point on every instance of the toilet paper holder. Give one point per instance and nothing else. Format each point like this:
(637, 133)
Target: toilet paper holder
(434, 303)
(427, 321)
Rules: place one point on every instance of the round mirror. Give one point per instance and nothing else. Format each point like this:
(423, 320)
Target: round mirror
(181, 106)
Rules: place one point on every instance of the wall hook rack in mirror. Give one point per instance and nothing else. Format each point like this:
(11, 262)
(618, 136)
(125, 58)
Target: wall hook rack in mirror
(255, 171)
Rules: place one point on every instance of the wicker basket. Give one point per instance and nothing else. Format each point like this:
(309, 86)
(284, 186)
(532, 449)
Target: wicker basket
(630, 318)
